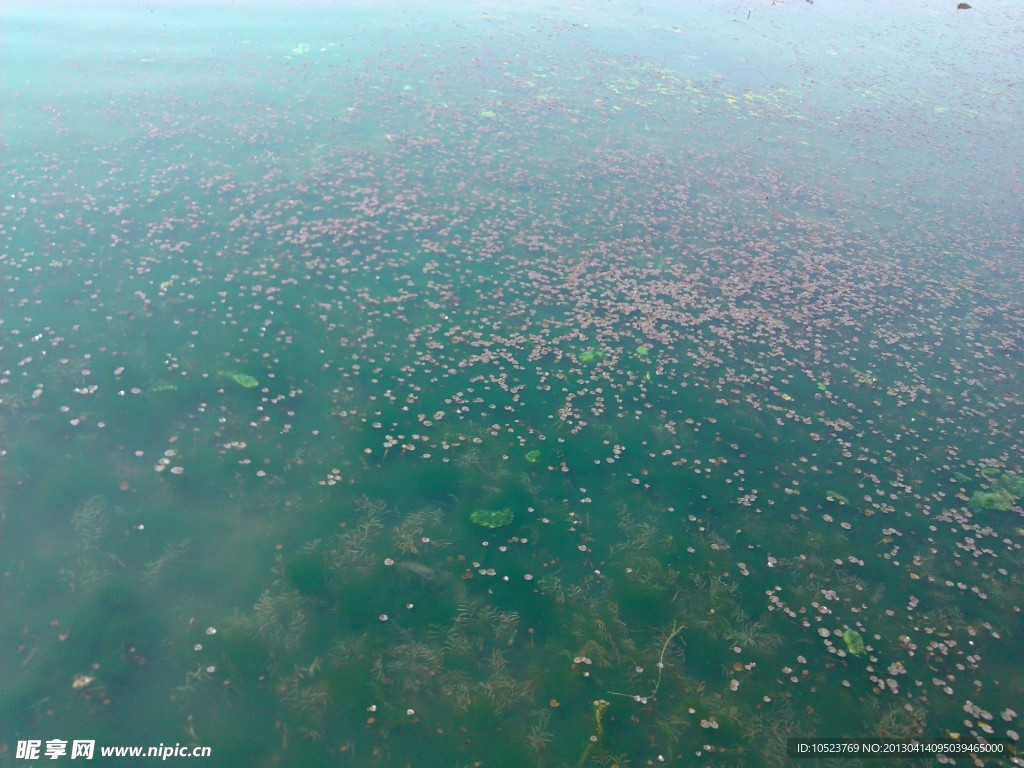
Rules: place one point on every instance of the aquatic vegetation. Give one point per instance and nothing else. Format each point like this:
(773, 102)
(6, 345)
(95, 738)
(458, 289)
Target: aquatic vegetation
(305, 691)
(409, 535)
(1007, 489)
(719, 585)
(492, 518)
(767, 734)
(244, 380)
(282, 618)
(837, 497)
(1013, 483)
(865, 378)
(637, 535)
(473, 618)
(501, 689)
(854, 642)
(539, 736)
(642, 698)
(469, 457)
(172, 554)
(992, 501)
(89, 522)
(600, 708)
(352, 548)
(753, 636)
(411, 666)
(900, 722)
(595, 383)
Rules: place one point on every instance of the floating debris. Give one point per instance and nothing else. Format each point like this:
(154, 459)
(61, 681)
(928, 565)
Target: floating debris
(82, 681)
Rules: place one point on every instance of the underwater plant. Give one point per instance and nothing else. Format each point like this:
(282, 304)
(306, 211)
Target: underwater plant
(854, 642)
(600, 707)
(493, 518)
(244, 380)
(995, 501)
(1014, 484)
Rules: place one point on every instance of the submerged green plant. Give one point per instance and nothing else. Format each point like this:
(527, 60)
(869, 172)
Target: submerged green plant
(600, 707)
(591, 356)
(1014, 484)
(854, 642)
(493, 518)
(244, 380)
(533, 456)
(996, 501)
(753, 636)
(173, 553)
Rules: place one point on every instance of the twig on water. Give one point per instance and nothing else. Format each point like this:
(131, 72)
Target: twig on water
(676, 631)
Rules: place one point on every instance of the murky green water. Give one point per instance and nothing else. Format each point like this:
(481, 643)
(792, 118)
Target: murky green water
(534, 387)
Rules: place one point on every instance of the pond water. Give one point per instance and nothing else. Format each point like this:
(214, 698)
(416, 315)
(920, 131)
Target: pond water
(490, 384)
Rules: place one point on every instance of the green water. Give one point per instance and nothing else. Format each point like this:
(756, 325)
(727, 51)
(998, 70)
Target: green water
(290, 302)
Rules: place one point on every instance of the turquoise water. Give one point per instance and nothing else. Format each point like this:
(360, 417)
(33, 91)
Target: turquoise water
(714, 314)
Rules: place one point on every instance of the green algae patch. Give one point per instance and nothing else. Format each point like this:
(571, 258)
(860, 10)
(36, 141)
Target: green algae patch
(1013, 484)
(995, 501)
(854, 642)
(1007, 489)
(244, 380)
(493, 518)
